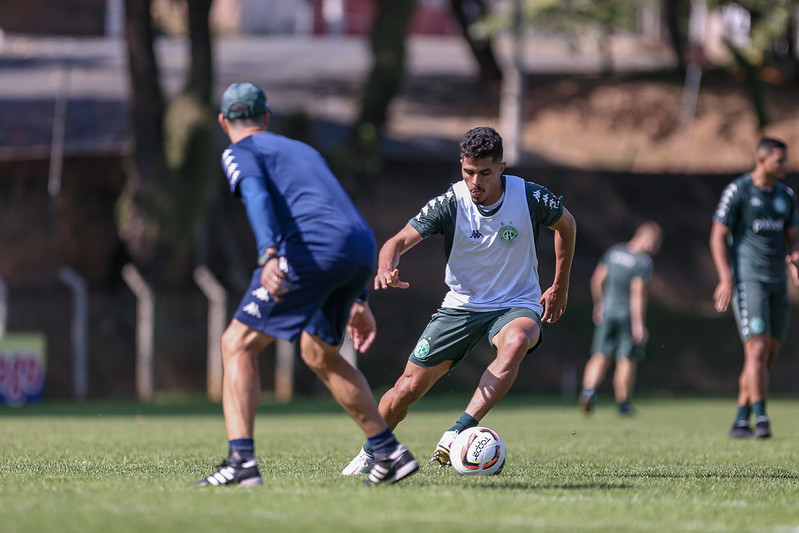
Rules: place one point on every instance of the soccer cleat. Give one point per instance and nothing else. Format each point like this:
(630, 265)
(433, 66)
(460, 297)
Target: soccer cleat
(625, 409)
(586, 400)
(397, 466)
(441, 455)
(361, 464)
(234, 470)
(762, 429)
(741, 431)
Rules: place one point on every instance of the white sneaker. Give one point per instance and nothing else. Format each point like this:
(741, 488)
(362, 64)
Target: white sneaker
(441, 455)
(360, 465)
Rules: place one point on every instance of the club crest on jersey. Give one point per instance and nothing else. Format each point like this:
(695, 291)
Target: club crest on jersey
(508, 234)
(780, 205)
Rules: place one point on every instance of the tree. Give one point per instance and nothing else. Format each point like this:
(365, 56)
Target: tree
(171, 169)
(387, 41)
(468, 13)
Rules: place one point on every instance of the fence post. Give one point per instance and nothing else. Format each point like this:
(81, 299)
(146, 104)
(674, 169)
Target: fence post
(145, 322)
(285, 353)
(80, 329)
(217, 310)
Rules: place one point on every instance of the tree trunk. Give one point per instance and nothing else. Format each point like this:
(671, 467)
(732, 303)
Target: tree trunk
(201, 71)
(387, 39)
(467, 12)
(146, 165)
(675, 13)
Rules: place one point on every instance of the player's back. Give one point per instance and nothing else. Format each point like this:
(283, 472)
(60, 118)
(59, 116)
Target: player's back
(314, 212)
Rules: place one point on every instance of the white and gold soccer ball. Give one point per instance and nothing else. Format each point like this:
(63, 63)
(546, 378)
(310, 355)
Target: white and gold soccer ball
(477, 451)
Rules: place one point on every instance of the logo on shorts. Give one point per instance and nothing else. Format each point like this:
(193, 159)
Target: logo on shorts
(422, 348)
(757, 325)
(508, 234)
(252, 309)
(261, 293)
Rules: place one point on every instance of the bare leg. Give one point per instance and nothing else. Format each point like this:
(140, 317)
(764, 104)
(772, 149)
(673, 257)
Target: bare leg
(413, 384)
(241, 382)
(624, 379)
(595, 370)
(754, 377)
(345, 382)
(512, 342)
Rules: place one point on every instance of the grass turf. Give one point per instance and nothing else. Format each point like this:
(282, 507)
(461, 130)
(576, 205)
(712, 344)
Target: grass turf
(125, 467)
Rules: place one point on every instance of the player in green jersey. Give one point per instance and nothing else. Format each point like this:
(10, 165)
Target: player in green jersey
(619, 287)
(755, 233)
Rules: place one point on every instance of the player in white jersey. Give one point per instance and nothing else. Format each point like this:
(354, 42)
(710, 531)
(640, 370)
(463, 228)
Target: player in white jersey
(490, 223)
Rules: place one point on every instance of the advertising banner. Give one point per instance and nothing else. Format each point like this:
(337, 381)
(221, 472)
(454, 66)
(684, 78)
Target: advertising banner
(23, 365)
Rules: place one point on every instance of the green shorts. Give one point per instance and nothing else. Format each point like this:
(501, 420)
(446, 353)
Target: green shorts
(614, 338)
(453, 333)
(761, 308)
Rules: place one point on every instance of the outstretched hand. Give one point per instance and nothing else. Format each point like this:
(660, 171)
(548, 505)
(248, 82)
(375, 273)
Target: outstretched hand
(389, 278)
(362, 326)
(554, 301)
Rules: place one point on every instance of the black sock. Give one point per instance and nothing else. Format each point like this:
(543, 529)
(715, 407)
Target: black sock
(465, 421)
(383, 443)
(244, 447)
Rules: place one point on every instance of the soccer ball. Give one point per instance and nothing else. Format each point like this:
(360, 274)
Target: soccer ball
(477, 451)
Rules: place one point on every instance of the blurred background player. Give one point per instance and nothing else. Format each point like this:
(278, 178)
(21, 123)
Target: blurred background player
(755, 233)
(619, 288)
(490, 224)
(317, 256)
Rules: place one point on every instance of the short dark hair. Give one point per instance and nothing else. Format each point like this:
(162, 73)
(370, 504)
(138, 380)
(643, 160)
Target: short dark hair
(482, 142)
(769, 144)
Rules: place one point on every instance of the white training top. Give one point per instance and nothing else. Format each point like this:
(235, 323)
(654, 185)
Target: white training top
(493, 263)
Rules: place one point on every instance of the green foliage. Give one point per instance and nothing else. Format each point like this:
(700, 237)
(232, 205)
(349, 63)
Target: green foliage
(770, 20)
(582, 19)
(100, 467)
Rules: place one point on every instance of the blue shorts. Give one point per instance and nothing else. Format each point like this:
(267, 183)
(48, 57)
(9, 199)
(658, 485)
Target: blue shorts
(318, 301)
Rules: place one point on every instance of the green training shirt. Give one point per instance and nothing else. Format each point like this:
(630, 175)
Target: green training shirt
(623, 265)
(757, 219)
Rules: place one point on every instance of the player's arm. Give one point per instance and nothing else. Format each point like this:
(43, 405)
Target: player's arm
(792, 258)
(555, 298)
(389, 256)
(722, 296)
(597, 283)
(638, 303)
(260, 213)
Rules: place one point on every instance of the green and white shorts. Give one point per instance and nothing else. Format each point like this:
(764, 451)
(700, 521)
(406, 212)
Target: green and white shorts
(761, 308)
(452, 333)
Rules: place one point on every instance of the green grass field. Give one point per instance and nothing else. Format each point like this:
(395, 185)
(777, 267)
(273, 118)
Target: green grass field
(124, 467)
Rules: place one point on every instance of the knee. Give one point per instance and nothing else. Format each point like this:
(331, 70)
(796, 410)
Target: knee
(231, 344)
(516, 343)
(407, 390)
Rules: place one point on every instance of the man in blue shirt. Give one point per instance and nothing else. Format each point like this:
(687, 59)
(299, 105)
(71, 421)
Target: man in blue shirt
(316, 256)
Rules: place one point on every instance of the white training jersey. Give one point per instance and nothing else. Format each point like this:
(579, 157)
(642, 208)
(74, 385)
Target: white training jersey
(493, 263)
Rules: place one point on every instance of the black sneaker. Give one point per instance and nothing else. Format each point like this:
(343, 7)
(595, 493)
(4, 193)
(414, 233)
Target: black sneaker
(762, 429)
(741, 431)
(625, 409)
(234, 470)
(399, 465)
